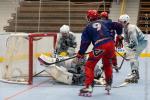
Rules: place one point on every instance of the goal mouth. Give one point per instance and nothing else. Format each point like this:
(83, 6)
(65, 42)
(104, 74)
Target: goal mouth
(20, 61)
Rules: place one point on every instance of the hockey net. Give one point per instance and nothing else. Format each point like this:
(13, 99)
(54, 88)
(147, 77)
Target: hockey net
(20, 52)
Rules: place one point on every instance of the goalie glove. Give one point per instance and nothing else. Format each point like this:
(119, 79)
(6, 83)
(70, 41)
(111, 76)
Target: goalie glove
(119, 42)
(80, 58)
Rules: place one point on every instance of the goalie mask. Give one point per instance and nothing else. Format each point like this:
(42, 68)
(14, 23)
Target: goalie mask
(64, 30)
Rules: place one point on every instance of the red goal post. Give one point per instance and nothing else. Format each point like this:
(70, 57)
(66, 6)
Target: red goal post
(31, 39)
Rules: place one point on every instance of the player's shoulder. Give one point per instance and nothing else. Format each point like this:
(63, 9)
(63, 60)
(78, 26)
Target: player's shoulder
(71, 34)
(132, 27)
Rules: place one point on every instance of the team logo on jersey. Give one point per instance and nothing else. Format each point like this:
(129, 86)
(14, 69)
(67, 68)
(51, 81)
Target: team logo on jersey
(97, 52)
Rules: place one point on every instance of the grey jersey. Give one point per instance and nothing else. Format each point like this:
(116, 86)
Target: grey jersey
(65, 42)
(133, 35)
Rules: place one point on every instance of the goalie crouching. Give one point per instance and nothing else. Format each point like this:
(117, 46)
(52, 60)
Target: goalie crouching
(70, 71)
(67, 72)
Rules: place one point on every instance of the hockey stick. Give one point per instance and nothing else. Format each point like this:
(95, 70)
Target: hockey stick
(47, 64)
(123, 56)
(121, 63)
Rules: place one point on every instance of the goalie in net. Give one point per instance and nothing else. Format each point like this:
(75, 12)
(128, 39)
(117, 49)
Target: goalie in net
(66, 43)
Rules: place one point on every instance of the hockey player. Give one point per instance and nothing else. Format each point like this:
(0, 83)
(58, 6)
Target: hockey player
(113, 31)
(134, 43)
(66, 42)
(97, 33)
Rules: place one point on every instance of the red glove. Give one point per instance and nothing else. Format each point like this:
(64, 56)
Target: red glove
(119, 42)
(80, 56)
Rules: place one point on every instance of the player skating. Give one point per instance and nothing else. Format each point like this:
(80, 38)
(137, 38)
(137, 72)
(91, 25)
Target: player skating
(134, 43)
(97, 33)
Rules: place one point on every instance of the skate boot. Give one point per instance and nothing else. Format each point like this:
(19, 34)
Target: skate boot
(87, 91)
(133, 77)
(116, 68)
(108, 86)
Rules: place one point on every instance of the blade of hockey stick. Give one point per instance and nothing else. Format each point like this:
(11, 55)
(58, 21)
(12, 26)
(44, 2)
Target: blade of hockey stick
(121, 64)
(123, 56)
(60, 60)
(47, 64)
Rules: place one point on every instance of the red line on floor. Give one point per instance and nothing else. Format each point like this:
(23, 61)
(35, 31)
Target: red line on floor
(25, 90)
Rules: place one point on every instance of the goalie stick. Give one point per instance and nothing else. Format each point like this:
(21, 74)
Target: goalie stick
(47, 64)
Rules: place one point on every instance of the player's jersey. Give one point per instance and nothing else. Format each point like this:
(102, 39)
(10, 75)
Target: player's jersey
(98, 33)
(133, 35)
(114, 27)
(65, 42)
(93, 33)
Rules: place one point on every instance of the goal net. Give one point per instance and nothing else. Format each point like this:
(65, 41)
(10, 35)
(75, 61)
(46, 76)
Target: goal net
(19, 55)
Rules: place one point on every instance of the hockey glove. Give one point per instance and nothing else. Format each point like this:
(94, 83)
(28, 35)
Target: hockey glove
(80, 58)
(119, 42)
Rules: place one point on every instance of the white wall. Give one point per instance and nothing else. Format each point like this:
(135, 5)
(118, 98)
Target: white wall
(7, 7)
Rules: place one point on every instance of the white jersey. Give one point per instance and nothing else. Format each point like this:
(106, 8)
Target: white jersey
(133, 36)
(135, 43)
(66, 44)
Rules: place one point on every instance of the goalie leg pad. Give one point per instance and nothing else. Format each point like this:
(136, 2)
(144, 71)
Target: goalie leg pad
(61, 74)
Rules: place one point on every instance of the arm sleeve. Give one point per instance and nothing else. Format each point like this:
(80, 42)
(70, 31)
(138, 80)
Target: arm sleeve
(85, 41)
(133, 41)
(74, 41)
(118, 27)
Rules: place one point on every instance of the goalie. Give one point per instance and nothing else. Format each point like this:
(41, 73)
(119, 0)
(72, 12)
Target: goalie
(66, 42)
(68, 72)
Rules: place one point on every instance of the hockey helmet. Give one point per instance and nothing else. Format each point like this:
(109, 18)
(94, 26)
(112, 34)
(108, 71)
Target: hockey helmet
(104, 14)
(92, 15)
(64, 29)
(124, 19)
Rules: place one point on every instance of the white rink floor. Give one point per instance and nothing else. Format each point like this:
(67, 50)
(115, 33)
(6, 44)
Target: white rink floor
(44, 89)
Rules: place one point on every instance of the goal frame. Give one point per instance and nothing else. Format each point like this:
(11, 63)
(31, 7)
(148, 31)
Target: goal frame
(31, 37)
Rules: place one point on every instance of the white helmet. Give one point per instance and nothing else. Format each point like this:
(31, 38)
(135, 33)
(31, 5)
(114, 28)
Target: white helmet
(65, 29)
(124, 18)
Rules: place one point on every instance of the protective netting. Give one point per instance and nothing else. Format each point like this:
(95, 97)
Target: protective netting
(19, 60)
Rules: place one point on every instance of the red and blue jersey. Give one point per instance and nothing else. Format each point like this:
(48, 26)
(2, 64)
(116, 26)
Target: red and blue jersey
(98, 33)
(114, 27)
